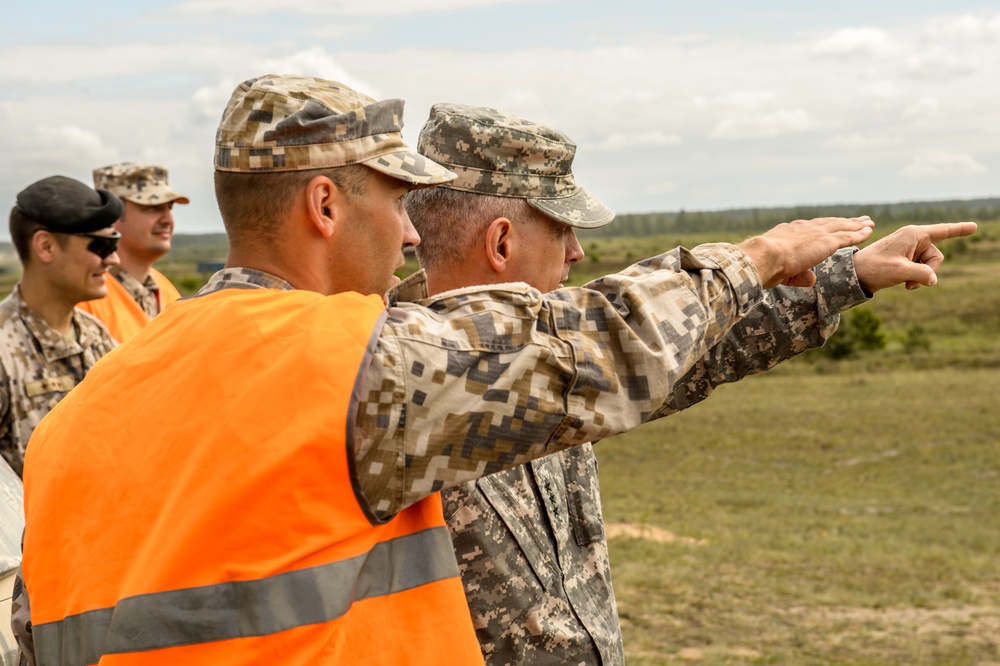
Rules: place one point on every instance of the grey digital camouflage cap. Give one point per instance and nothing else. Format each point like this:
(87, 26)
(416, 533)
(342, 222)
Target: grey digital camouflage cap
(292, 123)
(146, 184)
(504, 155)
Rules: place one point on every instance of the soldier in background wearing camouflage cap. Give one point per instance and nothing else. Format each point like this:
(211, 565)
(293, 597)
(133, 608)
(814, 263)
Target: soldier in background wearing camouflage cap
(62, 231)
(287, 509)
(139, 291)
(530, 541)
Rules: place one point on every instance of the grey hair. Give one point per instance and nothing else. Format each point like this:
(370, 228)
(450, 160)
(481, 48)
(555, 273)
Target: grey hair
(450, 222)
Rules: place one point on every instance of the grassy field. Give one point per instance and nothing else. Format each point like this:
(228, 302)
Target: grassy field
(813, 519)
(829, 512)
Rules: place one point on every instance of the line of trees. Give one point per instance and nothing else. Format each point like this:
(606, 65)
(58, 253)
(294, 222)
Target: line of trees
(751, 220)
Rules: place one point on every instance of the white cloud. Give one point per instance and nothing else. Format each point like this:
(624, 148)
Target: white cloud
(662, 187)
(82, 65)
(880, 91)
(923, 109)
(156, 88)
(315, 61)
(74, 142)
(753, 114)
(748, 100)
(642, 95)
(851, 42)
(619, 141)
(43, 150)
(207, 102)
(861, 141)
(762, 125)
(940, 62)
(965, 27)
(343, 8)
(936, 163)
(516, 98)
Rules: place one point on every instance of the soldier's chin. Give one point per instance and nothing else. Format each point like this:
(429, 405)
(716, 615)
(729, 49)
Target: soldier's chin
(94, 294)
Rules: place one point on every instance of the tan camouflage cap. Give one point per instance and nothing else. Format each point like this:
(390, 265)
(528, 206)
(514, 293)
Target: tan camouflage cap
(504, 155)
(294, 123)
(145, 184)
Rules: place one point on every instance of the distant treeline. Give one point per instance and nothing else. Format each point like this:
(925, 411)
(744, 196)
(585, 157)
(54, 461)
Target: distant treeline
(188, 247)
(751, 220)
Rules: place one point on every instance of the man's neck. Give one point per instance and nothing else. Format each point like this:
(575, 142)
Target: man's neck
(299, 274)
(136, 267)
(459, 277)
(49, 304)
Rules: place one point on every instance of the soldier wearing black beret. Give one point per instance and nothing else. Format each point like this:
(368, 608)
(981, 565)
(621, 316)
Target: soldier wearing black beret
(62, 231)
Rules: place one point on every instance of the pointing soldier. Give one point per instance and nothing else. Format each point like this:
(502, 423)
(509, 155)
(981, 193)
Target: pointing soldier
(530, 541)
(62, 231)
(138, 292)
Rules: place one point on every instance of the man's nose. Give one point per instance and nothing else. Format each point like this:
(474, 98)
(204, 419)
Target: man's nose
(574, 251)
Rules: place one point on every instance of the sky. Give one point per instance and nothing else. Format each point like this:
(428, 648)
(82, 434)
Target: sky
(695, 106)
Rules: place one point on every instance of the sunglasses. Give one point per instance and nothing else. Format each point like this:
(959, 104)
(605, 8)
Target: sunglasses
(102, 246)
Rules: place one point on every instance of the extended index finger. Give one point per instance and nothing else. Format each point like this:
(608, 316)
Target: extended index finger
(946, 230)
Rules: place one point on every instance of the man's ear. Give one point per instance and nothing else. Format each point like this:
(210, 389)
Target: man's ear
(499, 243)
(324, 203)
(43, 245)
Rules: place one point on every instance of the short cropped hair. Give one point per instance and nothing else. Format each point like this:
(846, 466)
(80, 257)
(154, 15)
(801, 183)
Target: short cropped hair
(253, 205)
(450, 221)
(22, 231)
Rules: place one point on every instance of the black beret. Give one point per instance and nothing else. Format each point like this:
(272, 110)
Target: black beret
(68, 206)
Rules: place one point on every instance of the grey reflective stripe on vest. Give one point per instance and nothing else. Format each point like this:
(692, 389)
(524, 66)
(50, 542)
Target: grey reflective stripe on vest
(247, 608)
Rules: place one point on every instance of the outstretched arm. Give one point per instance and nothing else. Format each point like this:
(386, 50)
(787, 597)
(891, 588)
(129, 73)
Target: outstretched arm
(485, 378)
(791, 321)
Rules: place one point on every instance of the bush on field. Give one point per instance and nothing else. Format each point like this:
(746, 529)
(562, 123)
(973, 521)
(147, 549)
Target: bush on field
(916, 339)
(860, 330)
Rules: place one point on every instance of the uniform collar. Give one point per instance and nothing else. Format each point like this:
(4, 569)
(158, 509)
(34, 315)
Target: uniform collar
(53, 344)
(131, 283)
(410, 290)
(243, 278)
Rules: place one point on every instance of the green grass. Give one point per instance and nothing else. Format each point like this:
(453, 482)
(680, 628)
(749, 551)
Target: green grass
(848, 509)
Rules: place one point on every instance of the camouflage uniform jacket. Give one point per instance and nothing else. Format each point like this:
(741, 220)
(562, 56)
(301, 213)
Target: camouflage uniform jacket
(38, 366)
(530, 541)
(478, 380)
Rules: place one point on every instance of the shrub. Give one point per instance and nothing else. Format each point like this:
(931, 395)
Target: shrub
(867, 329)
(916, 339)
(860, 329)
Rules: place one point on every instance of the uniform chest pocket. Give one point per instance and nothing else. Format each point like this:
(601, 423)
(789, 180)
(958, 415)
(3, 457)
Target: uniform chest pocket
(583, 494)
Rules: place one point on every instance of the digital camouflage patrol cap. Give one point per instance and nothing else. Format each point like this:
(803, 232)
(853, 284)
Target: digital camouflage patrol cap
(504, 155)
(145, 184)
(293, 123)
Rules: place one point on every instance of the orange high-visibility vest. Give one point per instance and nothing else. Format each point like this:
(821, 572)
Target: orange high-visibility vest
(119, 311)
(229, 529)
